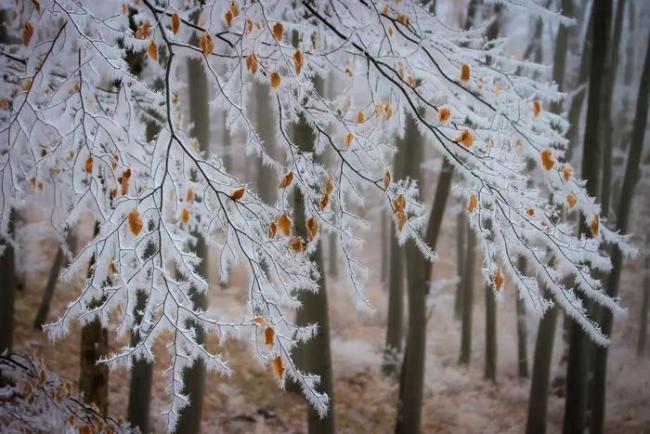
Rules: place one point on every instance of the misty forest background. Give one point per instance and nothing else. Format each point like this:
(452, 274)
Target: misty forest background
(490, 366)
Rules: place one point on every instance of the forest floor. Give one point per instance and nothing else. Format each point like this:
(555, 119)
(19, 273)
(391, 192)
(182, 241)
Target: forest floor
(456, 399)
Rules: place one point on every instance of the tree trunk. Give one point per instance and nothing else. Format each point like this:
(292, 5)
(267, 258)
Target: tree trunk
(490, 335)
(576, 391)
(409, 410)
(189, 420)
(48, 292)
(522, 331)
(468, 299)
(537, 403)
(627, 194)
(461, 229)
(608, 96)
(314, 356)
(93, 376)
(267, 182)
(645, 306)
(7, 288)
(52, 279)
(575, 107)
(395, 319)
(141, 379)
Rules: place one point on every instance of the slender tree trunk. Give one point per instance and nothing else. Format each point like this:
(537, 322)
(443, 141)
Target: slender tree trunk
(48, 292)
(314, 356)
(138, 413)
(93, 376)
(576, 396)
(627, 194)
(189, 420)
(461, 244)
(8, 279)
(575, 106)
(537, 403)
(50, 286)
(409, 411)
(141, 379)
(267, 183)
(522, 331)
(93, 379)
(645, 306)
(608, 101)
(7, 288)
(490, 372)
(468, 300)
(395, 320)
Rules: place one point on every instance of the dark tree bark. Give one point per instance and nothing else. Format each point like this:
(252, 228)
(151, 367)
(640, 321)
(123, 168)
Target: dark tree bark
(189, 420)
(52, 279)
(461, 244)
(395, 320)
(139, 407)
(314, 356)
(7, 257)
(490, 371)
(576, 390)
(575, 107)
(409, 410)
(522, 331)
(539, 388)
(645, 307)
(468, 300)
(7, 288)
(267, 183)
(93, 376)
(623, 211)
(608, 101)
(537, 404)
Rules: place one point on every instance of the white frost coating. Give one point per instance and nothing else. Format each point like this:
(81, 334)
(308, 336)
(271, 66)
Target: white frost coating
(72, 124)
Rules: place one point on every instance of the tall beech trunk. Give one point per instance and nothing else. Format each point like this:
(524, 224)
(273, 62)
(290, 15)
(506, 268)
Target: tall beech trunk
(575, 106)
(541, 370)
(139, 407)
(461, 244)
(576, 390)
(468, 300)
(267, 182)
(52, 279)
(93, 376)
(522, 330)
(7, 288)
(409, 411)
(645, 307)
(314, 356)
(538, 401)
(395, 318)
(608, 101)
(630, 180)
(490, 371)
(189, 420)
